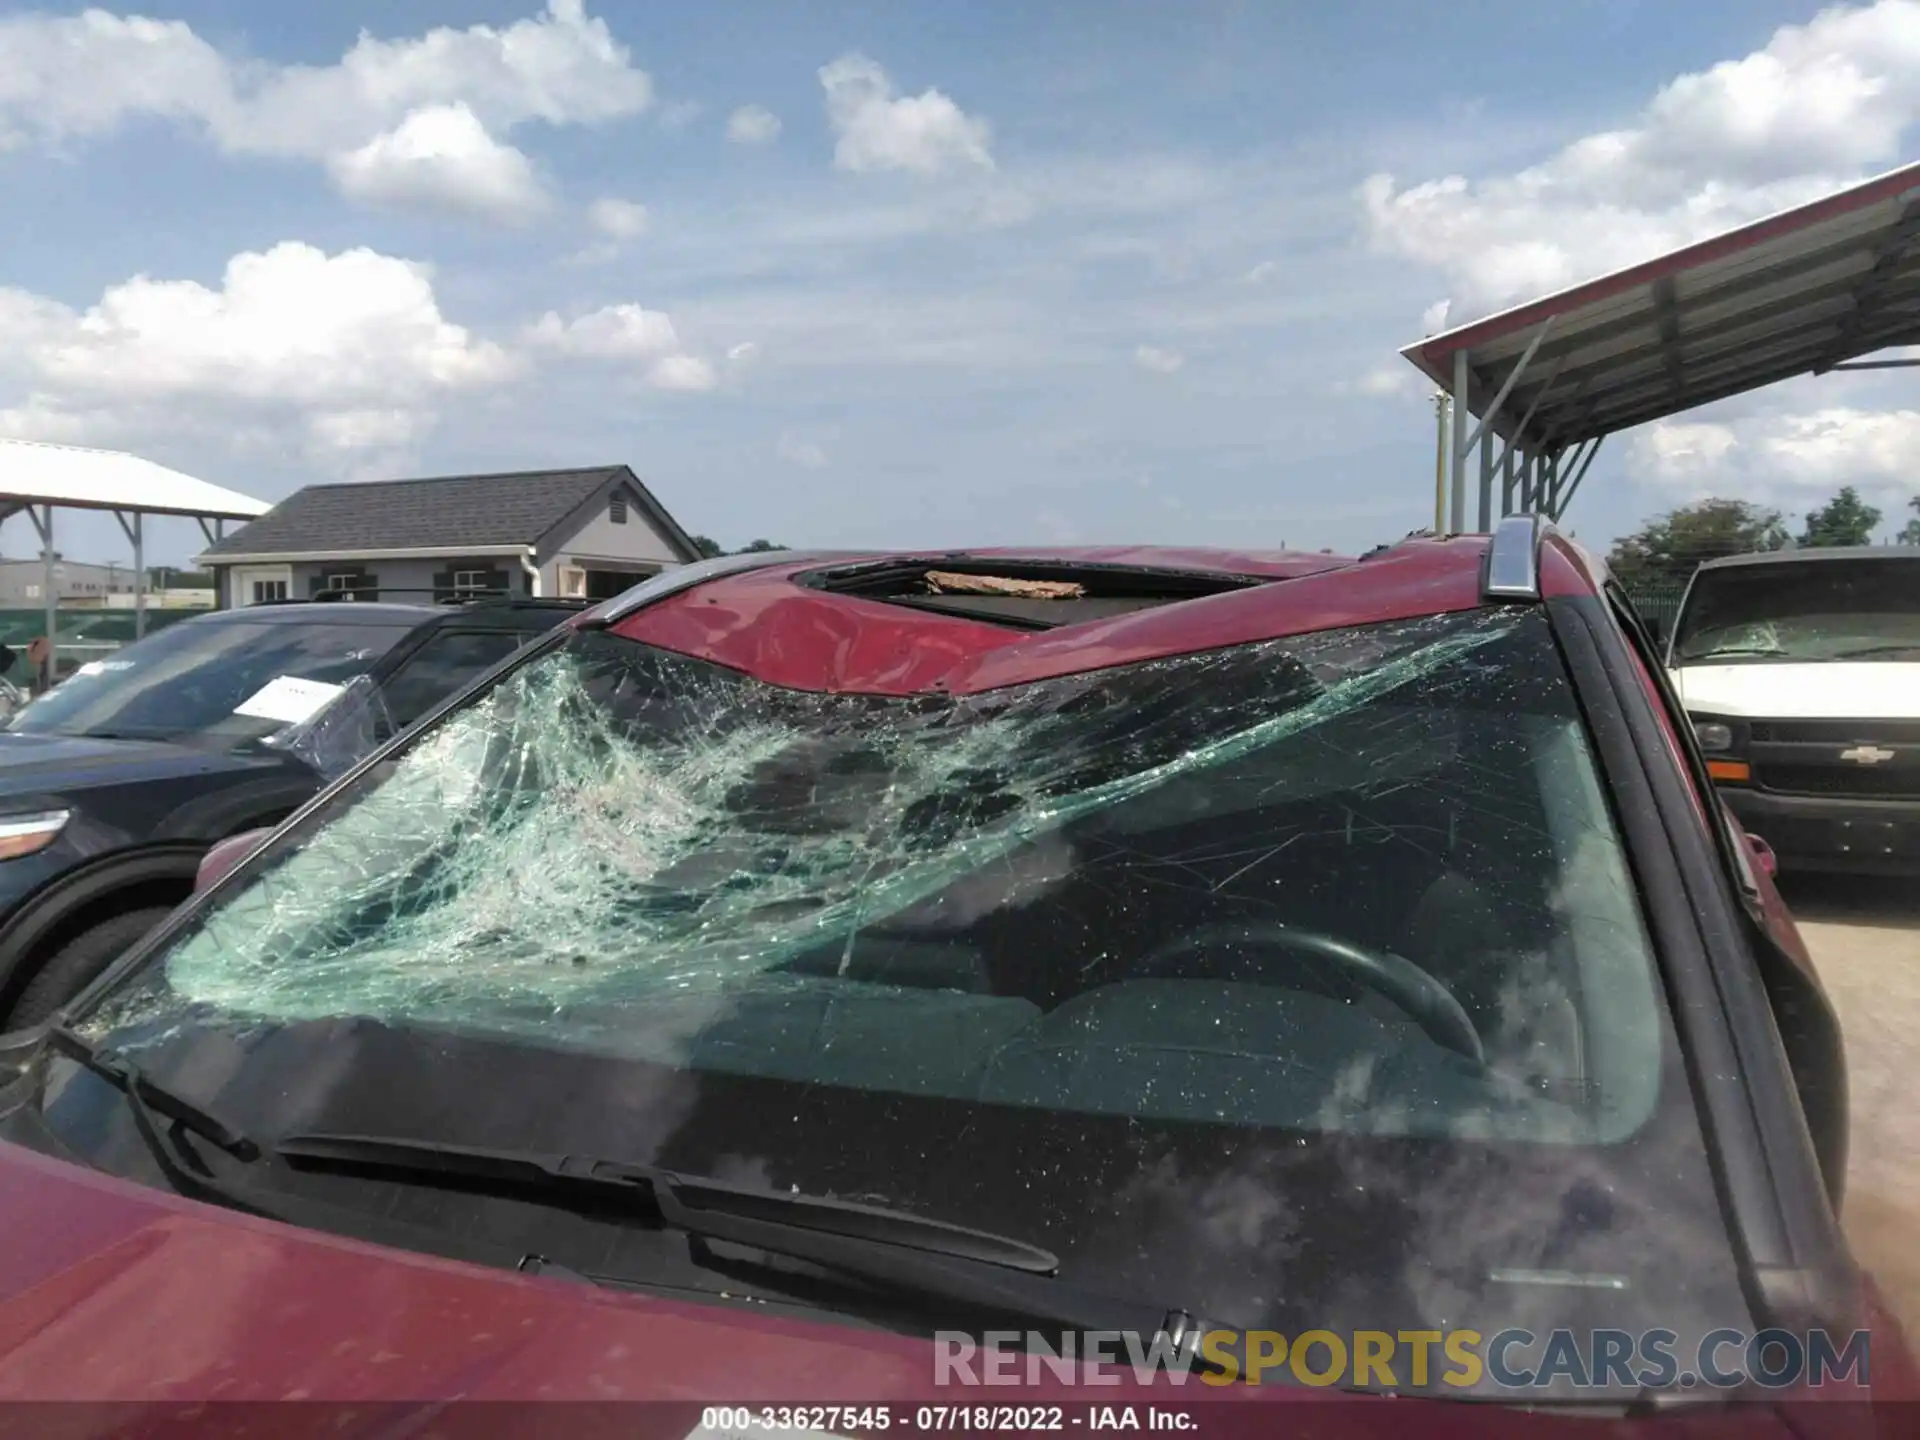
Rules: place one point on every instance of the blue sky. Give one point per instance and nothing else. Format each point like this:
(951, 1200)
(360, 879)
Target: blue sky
(1085, 272)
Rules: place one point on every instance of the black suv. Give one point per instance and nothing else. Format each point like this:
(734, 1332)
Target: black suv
(114, 785)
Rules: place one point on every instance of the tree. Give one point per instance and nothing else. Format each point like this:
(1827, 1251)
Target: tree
(1911, 534)
(709, 547)
(1666, 550)
(1844, 520)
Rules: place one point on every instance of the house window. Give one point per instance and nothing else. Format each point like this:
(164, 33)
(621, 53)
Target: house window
(265, 590)
(457, 586)
(617, 510)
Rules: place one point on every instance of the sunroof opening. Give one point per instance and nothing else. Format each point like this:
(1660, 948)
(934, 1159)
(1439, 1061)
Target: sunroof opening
(1021, 594)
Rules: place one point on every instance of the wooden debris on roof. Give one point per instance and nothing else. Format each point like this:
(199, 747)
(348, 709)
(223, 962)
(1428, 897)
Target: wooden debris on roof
(947, 582)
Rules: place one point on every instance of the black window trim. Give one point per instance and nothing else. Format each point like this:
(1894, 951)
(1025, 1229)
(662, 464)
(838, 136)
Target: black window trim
(1812, 1043)
(1793, 1259)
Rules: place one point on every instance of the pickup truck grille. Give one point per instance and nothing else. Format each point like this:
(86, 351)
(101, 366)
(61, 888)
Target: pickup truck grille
(1836, 732)
(1881, 782)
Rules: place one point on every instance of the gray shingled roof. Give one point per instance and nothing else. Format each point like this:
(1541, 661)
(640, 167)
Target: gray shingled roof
(447, 512)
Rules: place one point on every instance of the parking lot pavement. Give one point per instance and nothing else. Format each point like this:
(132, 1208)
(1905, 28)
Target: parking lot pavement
(1865, 938)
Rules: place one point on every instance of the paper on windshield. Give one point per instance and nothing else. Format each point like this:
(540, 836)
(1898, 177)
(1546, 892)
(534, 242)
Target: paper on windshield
(288, 699)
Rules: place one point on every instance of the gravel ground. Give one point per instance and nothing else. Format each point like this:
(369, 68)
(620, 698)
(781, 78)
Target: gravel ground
(1865, 938)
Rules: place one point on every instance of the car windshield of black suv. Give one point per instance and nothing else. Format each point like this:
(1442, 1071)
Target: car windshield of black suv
(1813, 610)
(1299, 983)
(214, 683)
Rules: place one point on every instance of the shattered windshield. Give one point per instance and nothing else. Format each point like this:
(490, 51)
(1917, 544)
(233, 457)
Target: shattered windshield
(1820, 610)
(1253, 907)
(214, 682)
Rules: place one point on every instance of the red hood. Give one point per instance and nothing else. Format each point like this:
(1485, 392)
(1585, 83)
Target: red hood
(110, 1292)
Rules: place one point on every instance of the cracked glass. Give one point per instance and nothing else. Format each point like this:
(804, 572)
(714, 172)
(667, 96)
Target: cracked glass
(1300, 983)
(1818, 610)
(1079, 893)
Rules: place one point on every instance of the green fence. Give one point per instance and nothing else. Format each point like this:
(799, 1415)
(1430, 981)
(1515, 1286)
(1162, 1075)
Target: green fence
(1659, 605)
(83, 634)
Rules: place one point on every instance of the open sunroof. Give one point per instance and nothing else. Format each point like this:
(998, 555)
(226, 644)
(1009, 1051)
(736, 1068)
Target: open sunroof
(1021, 594)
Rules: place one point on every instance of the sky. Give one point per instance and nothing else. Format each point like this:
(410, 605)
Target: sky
(902, 272)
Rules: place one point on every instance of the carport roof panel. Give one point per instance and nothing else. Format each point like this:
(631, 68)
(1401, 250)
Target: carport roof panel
(1796, 293)
(71, 477)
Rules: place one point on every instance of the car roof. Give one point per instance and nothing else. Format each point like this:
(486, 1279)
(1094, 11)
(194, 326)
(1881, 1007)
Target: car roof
(876, 624)
(1812, 554)
(312, 612)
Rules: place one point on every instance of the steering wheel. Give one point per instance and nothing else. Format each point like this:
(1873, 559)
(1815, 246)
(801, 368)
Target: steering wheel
(1428, 1002)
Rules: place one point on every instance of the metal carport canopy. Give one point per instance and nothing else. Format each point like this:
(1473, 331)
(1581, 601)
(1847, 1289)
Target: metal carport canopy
(38, 479)
(1801, 292)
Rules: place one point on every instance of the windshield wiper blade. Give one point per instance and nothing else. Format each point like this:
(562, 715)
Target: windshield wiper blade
(887, 1250)
(1719, 650)
(1910, 646)
(149, 1098)
(694, 1198)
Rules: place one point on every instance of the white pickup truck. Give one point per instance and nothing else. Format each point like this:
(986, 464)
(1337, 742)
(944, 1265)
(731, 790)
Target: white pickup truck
(1801, 672)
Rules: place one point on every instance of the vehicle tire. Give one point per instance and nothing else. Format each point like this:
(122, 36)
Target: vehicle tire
(74, 965)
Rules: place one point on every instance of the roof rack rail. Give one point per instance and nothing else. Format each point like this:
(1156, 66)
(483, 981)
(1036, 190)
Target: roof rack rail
(344, 594)
(1513, 559)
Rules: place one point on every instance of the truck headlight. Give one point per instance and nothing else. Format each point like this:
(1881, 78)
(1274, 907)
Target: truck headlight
(1714, 737)
(27, 834)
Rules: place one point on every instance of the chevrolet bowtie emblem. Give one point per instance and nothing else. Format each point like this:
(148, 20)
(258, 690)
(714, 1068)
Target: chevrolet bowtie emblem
(1866, 754)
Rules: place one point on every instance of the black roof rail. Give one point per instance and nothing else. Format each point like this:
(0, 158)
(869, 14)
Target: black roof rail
(466, 598)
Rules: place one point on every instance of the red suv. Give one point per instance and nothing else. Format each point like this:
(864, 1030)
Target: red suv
(858, 980)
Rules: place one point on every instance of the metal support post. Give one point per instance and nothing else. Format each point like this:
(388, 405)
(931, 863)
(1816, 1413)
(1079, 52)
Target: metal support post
(132, 529)
(1513, 378)
(1486, 485)
(1575, 476)
(1462, 411)
(1508, 477)
(43, 523)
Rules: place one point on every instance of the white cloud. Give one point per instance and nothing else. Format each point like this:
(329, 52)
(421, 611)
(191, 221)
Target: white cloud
(1794, 458)
(1161, 362)
(753, 125)
(682, 372)
(1820, 105)
(797, 450)
(926, 134)
(1387, 380)
(441, 158)
(677, 115)
(1261, 273)
(618, 219)
(626, 333)
(612, 332)
(1684, 453)
(350, 350)
(66, 78)
(745, 353)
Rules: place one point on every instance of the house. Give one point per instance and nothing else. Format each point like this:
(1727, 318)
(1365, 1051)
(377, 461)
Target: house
(591, 533)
